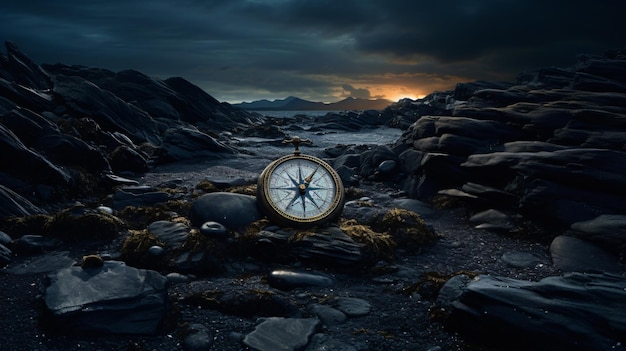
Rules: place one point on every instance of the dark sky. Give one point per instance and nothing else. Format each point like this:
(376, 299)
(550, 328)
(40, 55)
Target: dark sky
(321, 50)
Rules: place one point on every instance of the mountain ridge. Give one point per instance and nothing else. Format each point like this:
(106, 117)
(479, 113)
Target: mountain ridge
(292, 103)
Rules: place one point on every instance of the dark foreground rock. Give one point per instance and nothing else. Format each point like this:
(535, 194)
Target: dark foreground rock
(576, 311)
(112, 298)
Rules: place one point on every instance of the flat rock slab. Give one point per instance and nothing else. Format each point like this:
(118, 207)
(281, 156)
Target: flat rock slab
(576, 311)
(281, 334)
(352, 306)
(42, 264)
(173, 234)
(114, 298)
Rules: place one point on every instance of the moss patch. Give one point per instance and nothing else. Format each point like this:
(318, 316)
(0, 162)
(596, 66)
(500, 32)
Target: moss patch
(407, 228)
(379, 245)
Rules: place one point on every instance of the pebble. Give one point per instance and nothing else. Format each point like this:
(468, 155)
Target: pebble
(352, 306)
(177, 278)
(328, 315)
(289, 279)
(156, 251)
(213, 229)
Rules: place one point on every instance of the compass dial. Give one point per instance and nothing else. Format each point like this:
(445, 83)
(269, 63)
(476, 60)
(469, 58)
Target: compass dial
(300, 189)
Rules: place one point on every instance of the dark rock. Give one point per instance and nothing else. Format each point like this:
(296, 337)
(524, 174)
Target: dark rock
(387, 167)
(126, 159)
(322, 342)
(173, 234)
(576, 311)
(198, 338)
(281, 334)
(492, 220)
(45, 263)
(330, 246)
(328, 315)
(5, 255)
(5, 239)
(570, 254)
(520, 259)
(213, 229)
(12, 204)
(607, 230)
(128, 197)
(187, 143)
(24, 70)
(423, 209)
(114, 298)
(289, 279)
(33, 244)
(352, 306)
(156, 251)
(234, 211)
(20, 161)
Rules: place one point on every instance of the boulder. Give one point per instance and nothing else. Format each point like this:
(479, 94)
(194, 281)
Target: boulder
(576, 311)
(234, 211)
(113, 298)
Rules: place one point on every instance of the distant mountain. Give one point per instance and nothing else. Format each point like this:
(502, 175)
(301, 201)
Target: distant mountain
(293, 103)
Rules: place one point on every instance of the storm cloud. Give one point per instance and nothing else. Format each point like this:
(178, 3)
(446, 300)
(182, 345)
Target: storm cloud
(243, 50)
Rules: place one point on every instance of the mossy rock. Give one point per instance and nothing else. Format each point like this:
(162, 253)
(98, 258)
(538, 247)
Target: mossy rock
(135, 248)
(377, 245)
(407, 228)
(76, 223)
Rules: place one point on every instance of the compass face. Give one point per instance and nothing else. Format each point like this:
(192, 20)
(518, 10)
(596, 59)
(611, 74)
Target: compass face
(297, 189)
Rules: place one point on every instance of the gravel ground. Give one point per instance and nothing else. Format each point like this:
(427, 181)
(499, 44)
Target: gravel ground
(400, 317)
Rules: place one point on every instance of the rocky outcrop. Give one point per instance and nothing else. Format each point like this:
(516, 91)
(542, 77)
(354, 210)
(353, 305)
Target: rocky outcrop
(575, 312)
(550, 148)
(63, 127)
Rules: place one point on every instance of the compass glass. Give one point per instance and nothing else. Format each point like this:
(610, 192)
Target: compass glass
(302, 189)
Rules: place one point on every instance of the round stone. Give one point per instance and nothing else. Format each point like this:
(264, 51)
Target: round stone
(213, 229)
(387, 167)
(105, 210)
(156, 251)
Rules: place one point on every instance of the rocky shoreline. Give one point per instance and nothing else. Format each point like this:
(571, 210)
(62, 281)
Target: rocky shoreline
(495, 221)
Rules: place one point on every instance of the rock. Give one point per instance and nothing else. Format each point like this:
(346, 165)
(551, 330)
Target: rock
(187, 143)
(423, 209)
(177, 278)
(322, 342)
(234, 211)
(570, 254)
(34, 244)
(492, 220)
(330, 246)
(127, 159)
(607, 230)
(213, 229)
(126, 196)
(12, 204)
(290, 279)
(156, 251)
(328, 315)
(5, 239)
(45, 263)
(520, 259)
(198, 338)
(5, 255)
(576, 311)
(114, 298)
(281, 334)
(86, 98)
(352, 306)
(173, 234)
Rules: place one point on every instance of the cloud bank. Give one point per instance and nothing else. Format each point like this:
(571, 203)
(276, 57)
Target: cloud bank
(243, 50)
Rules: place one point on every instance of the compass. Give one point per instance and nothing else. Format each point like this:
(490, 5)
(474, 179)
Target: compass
(300, 190)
